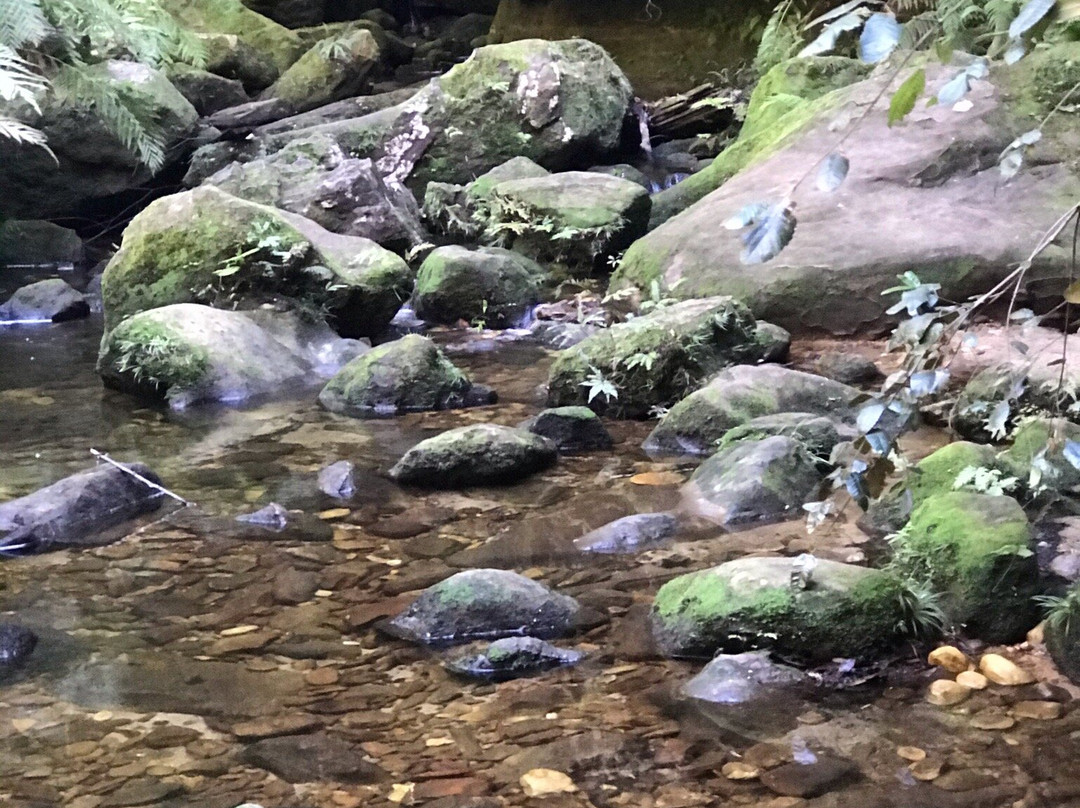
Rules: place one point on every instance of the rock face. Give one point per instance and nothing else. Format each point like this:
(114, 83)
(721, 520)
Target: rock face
(754, 479)
(973, 549)
(572, 429)
(490, 287)
(843, 611)
(204, 246)
(34, 241)
(91, 164)
(77, 511)
(740, 394)
(190, 354)
(657, 359)
(407, 375)
(483, 454)
(206, 91)
(513, 657)
(631, 534)
(909, 180)
(485, 603)
(333, 69)
(49, 300)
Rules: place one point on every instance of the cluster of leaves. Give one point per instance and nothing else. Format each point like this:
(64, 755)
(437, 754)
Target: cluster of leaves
(160, 360)
(47, 43)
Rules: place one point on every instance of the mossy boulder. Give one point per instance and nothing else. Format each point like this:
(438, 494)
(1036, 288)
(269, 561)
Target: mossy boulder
(817, 433)
(482, 454)
(281, 45)
(513, 657)
(491, 287)
(205, 246)
(738, 395)
(231, 57)
(572, 429)
(90, 163)
(1042, 446)
(206, 91)
(48, 300)
(843, 611)
(750, 480)
(410, 374)
(485, 604)
(656, 359)
(333, 69)
(190, 354)
(461, 210)
(974, 550)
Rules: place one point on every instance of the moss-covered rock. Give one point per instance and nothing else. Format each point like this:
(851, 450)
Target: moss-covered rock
(740, 394)
(1039, 445)
(410, 374)
(513, 657)
(206, 91)
(491, 287)
(485, 603)
(482, 454)
(817, 433)
(35, 241)
(233, 17)
(461, 210)
(844, 611)
(654, 360)
(231, 57)
(205, 246)
(769, 478)
(188, 354)
(973, 549)
(572, 429)
(330, 70)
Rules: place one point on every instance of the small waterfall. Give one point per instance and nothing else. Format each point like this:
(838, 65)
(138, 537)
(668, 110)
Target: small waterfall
(642, 116)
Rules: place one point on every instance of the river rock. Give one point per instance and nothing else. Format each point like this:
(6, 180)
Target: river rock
(482, 454)
(844, 610)
(36, 241)
(410, 374)
(847, 368)
(738, 395)
(459, 210)
(233, 19)
(50, 300)
(205, 246)
(485, 603)
(654, 360)
(809, 780)
(318, 757)
(572, 429)
(335, 68)
(16, 644)
(1002, 671)
(631, 534)
(231, 57)
(973, 549)
(189, 354)
(337, 481)
(1043, 442)
(273, 516)
(511, 658)
(947, 693)
(754, 479)
(816, 433)
(206, 91)
(90, 163)
(78, 511)
(489, 287)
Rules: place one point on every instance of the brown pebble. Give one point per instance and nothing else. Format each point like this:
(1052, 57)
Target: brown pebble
(1037, 710)
(322, 676)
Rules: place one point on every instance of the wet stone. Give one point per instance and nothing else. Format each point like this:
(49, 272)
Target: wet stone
(630, 534)
(336, 480)
(141, 792)
(275, 727)
(312, 758)
(292, 586)
(810, 779)
(512, 657)
(16, 644)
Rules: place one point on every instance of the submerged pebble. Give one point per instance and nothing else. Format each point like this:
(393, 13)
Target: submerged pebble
(512, 657)
(16, 644)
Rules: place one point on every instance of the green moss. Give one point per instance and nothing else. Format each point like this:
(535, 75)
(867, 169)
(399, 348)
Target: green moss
(150, 355)
(233, 17)
(328, 70)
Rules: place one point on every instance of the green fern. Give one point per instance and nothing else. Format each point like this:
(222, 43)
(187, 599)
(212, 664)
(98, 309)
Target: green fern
(781, 40)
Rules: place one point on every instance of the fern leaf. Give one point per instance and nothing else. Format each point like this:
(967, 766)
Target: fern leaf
(18, 80)
(22, 23)
(19, 132)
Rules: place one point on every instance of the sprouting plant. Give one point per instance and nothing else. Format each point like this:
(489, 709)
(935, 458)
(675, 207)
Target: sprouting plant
(599, 385)
(985, 481)
(644, 360)
(480, 321)
(1060, 610)
(921, 614)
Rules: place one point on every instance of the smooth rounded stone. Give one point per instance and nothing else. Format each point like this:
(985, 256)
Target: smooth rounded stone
(1002, 671)
(736, 770)
(318, 757)
(960, 780)
(816, 432)
(631, 534)
(992, 719)
(946, 693)
(847, 368)
(337, 480)
(36, 241)
(272, 517)
(293, 586)
(809, 780)
(513, 657)
(84, 510)
(738, 395)
(50, 300)
(16, 644)
(754, 479)
(972, 679)
(485, 603)
(489, 287)
(912, 754)
(572, 429)
(950, 658)
(624, 172)
(816, 612)
(773, 341)
(482, 454)
(1038, 710)
(410, 374)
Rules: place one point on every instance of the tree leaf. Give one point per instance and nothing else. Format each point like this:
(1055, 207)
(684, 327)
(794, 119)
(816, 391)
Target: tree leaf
(769, 236)
(1071, 452)
(869, 416)
(903, 100)
(954, 89)
(826, 40)
(1072, 294)
(997, 423)
(833, 171)
(747, 215)
(1030, 14)
(839, 11)
(879, 38)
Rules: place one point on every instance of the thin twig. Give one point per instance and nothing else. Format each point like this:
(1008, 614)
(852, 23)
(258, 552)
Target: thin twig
(139, 477)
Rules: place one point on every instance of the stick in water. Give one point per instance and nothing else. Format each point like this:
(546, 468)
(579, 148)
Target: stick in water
(139, 477)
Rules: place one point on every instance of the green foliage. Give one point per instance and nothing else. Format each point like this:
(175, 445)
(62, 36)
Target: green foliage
(903, 100)
(156, 357)
(599, 385)
(985, 481)
(922, 616)
(781, 39)
(1062, 612)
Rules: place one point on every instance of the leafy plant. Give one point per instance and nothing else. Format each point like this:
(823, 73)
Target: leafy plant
(1061, 611)
(599, 385)
(985, 481)
(922, 616)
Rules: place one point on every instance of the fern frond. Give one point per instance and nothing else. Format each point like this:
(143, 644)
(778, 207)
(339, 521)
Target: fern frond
(19, 132)
(918, 29)
(22, 22)
(19, 82)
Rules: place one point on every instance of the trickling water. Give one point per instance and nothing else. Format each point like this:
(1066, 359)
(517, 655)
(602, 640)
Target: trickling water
(642, 116)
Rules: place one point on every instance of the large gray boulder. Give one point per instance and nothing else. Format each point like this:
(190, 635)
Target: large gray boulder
(51, 300)
(482, 454)
(489, 287)
(331, 70)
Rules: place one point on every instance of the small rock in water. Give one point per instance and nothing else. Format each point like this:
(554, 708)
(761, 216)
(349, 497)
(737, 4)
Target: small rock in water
(273, 516)
(809, 779)
(512, 657)
(946, 693)
(1037, 710)
(16, 644)
(630, 534)
(336, 480)
(1002, 671)
(951, 659)
(972, 679)
(572, 429)
(540, 782)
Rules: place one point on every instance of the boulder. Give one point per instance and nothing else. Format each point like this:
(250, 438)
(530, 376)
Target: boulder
(16, 644)
(461, 210)
(409, 374)
(231, 17)
(35, 241)
(51, 300)
(511, 658)
(654, 360)
(571, 429)
(482, 454)
(816, 433)
(83, 510)
(331, 70)
(769, 478)
(337, 480)
(206, 91)
(190, 354)
(738, 395)
(842, 611)
(231, 57)
(487, 287)
(847, 368)
(485, 603)
(205, 246)
(909, 180)
(631, 534)
(974, 550)
(1040, 453)
(90, 163)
